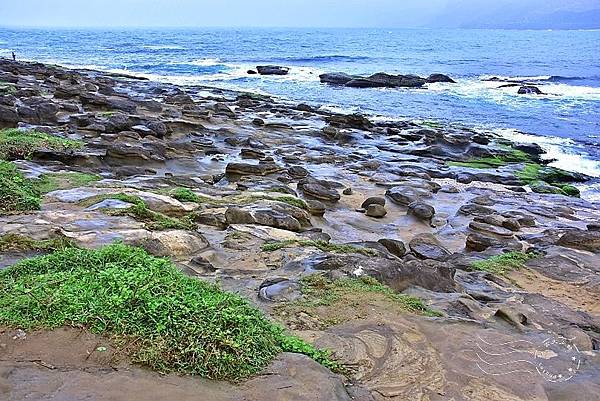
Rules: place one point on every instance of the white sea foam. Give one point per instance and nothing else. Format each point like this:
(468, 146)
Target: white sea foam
(493, 90)
(564, 151)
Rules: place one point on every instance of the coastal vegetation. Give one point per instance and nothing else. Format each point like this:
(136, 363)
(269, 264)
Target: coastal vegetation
(505, 263)
(318, 291)
(21, 144)
(17, 193)
(164, 319)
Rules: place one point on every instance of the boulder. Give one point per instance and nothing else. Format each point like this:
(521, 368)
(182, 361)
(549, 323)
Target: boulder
(263, 168)
(581, 239)
(375, 210)
(272, 70)
(426, 246)
(421, 210)
(175, 243)
(440, 78)
(395, 247)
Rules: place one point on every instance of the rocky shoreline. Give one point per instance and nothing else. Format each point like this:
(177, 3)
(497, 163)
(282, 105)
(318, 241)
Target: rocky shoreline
(259, 196)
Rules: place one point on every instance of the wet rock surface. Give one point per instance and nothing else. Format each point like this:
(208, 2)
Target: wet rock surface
(266, 204)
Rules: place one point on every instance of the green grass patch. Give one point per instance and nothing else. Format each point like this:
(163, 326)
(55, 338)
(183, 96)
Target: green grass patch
(319, 244)
(139, 211)
(21, 243)
(570, 190)
(17, 193)
(171, 322)
(185, 195)
(503, 264)
(66, 180)
(509, 156)
(293, 201)
(7, 88)
(319, 291)
(18, 144)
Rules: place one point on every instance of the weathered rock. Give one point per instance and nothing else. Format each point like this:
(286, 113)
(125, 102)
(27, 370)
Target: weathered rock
(175, 243)
(315, 207)
(421, 210)
(375, 210)
(272, 214)
(426, 246)
(395, 247)
(279, 290)
(262, 168)
(374, 200)
(581, 239)
(491, 229)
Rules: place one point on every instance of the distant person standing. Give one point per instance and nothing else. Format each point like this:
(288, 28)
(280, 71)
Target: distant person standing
(14, 56)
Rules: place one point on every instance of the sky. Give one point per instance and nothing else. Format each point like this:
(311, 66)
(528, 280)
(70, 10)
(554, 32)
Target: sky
(279, 13)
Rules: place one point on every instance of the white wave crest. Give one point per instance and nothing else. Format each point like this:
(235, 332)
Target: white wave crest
(565, 151)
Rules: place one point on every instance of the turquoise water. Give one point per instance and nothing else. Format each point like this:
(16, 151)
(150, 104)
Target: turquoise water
(566, 65)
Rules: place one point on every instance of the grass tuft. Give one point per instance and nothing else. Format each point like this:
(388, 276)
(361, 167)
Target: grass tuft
(171, 322)
(320, 244)
(503, 264)
(17, 193)
(17, 144)
(185, 195)
(319, 291)
(21, 243)
(139, 211)
(66, 180)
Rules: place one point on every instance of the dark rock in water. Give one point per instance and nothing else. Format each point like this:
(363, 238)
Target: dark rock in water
(426, 246)
(593, 227)
(252, 72)
(530, 148)
(581, 239)
(376, 211)
(421, 210)
(382, 80)
(259, 122)
(347, 191)
(374, 200)
(395, 247)
(272, 70)
(305, 107)
(529, 90)
(440, 78)
(336, 78)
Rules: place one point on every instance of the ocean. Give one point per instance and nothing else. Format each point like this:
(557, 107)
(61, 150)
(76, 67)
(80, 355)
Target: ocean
(565, 65)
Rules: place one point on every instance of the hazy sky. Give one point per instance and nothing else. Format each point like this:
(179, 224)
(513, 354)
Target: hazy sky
(287, 13)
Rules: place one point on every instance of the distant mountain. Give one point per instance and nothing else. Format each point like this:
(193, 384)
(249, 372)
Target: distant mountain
(556, 20)
(519, 14)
